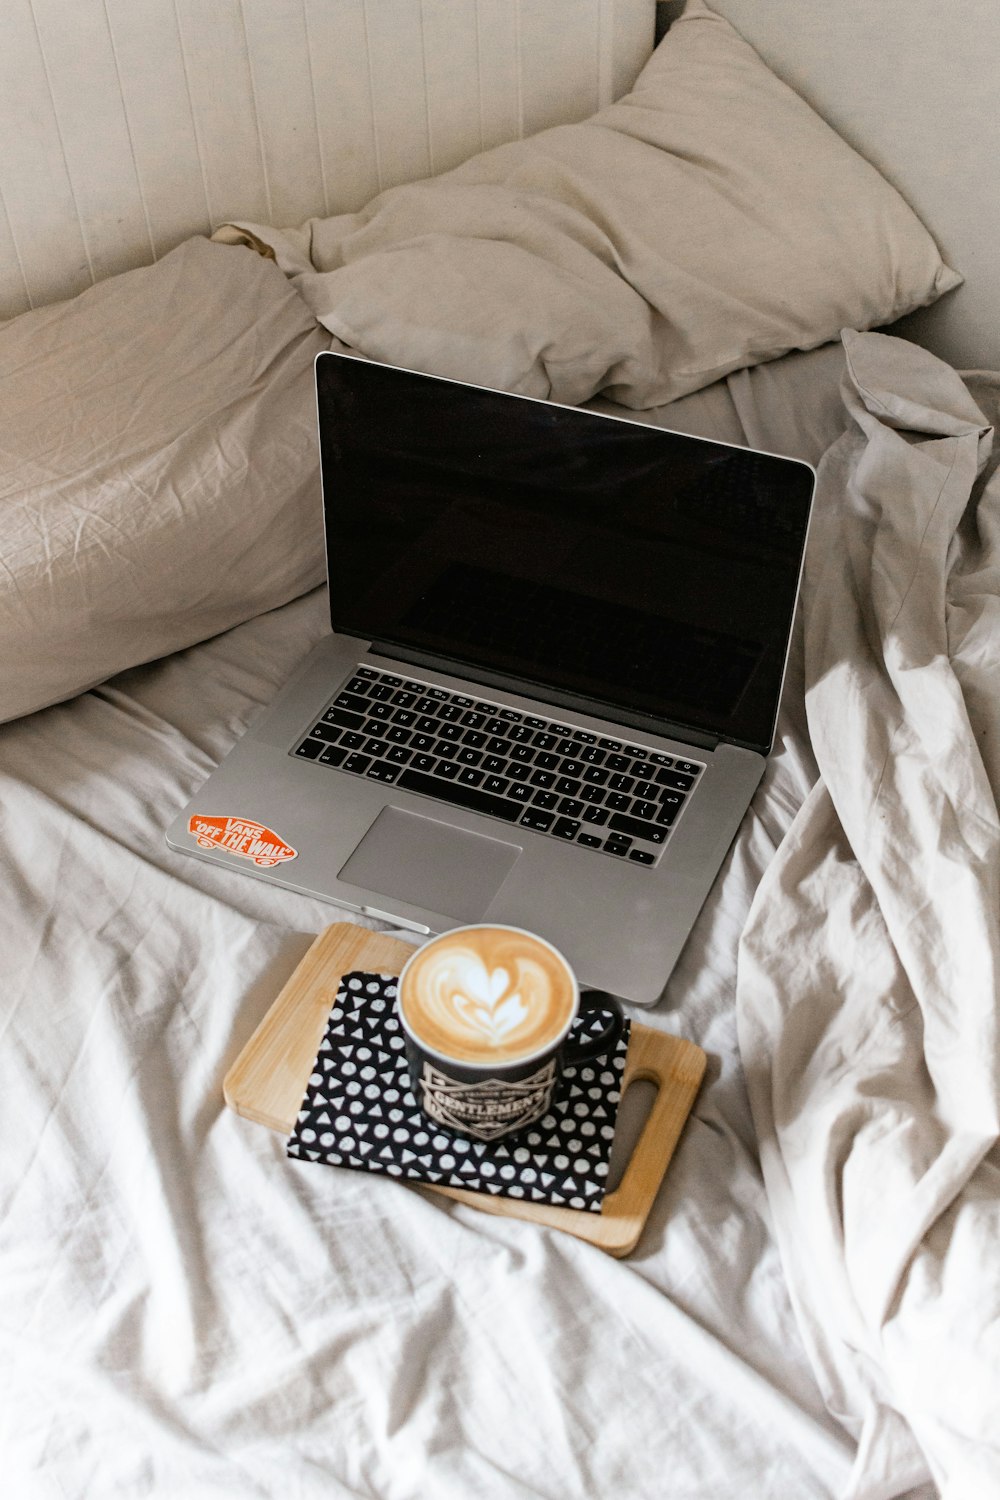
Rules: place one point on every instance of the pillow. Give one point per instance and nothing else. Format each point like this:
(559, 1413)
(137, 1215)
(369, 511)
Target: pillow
(160, 470)
(707, 221)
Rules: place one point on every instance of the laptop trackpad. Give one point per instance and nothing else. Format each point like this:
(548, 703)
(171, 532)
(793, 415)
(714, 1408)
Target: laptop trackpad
(430, 864)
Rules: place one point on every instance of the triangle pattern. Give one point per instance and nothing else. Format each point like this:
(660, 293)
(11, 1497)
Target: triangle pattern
(362, 1089)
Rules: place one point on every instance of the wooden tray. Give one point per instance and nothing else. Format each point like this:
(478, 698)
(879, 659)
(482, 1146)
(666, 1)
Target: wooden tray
(267, 1082)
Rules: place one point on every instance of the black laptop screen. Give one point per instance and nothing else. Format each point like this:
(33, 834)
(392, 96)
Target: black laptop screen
(651, 574)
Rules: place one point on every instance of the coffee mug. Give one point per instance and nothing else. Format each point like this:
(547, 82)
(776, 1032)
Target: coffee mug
(486, 1012)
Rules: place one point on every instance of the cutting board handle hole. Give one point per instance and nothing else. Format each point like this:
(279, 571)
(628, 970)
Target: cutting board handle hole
(633, 1112)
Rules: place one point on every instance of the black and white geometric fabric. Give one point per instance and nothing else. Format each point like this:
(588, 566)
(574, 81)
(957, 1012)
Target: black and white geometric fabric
(359, 1111)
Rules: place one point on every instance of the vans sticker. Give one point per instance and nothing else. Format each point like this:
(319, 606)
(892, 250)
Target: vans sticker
(241, 836)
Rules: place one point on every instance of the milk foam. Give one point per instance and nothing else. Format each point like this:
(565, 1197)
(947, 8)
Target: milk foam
(487, 994)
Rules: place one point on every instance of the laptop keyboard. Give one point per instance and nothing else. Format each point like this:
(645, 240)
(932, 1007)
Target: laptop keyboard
(599, 793)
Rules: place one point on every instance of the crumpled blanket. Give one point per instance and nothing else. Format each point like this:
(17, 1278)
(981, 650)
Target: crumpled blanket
(868, 973)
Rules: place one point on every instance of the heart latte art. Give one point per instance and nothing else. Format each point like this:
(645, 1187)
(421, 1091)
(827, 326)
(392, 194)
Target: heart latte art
(487, 994)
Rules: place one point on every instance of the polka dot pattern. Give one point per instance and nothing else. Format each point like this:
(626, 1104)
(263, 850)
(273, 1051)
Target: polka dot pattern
(359, 1111)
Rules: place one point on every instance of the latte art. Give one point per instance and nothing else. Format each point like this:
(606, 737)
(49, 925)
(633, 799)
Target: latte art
(487, 994)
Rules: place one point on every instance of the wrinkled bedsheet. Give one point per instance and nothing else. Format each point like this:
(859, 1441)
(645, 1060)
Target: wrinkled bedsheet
(186, 1313)
(868, 976)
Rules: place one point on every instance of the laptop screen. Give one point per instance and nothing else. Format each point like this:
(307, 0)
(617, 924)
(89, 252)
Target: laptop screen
(650, 574)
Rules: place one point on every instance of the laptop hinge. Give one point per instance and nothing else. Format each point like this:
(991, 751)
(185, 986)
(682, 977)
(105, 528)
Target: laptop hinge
(665, 728)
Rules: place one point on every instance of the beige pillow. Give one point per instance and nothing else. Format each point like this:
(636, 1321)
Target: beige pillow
(160, 471)
(706, 222)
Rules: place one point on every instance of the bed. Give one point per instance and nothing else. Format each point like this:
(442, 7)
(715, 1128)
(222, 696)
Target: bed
(813, 1306)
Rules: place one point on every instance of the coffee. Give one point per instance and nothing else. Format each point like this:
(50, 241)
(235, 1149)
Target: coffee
(487, 995)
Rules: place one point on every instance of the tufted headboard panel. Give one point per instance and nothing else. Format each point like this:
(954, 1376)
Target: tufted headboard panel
(128, 125)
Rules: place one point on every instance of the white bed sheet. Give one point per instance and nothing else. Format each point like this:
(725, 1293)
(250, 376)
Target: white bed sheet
(184, 1312)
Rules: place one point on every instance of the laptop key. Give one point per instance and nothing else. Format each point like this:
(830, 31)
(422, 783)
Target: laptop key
(447, 769)
(471, 797)
(566, 828)
(354, 701)
(674, 781)
(470, 777)
(653, 833)
(357, 763)
(641, 856)
(344, 719)
(688, 767)
(310, 749)
(541, 822)
(520, 791)
(381, 770)
(496, 784)
(589, 840)
(328, 733)
(333, 755)
(545, 800)
(422, 762)
(567, 786)
(590, 793)
(399, 755)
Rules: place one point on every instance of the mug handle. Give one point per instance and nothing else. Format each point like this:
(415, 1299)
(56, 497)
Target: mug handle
(597, 1046)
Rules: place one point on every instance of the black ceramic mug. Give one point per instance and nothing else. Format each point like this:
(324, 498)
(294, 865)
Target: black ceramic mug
(486, 1012)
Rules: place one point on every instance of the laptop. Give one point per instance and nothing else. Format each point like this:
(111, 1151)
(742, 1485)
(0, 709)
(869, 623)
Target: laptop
(557, 647)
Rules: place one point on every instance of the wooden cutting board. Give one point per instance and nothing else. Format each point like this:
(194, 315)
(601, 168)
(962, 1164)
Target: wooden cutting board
(267, 1082)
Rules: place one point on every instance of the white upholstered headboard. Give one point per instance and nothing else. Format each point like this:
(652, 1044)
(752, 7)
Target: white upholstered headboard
(913, 85)
(128, 125)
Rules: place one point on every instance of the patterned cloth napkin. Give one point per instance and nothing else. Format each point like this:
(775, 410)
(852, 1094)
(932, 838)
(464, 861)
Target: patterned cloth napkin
(359, 1111)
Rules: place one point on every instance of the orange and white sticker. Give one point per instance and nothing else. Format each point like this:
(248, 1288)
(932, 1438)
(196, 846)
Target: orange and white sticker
(241, 836)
